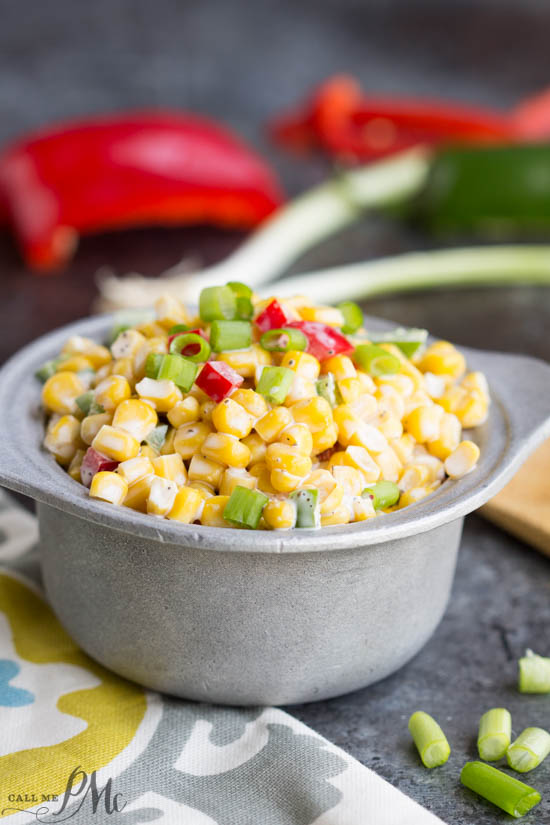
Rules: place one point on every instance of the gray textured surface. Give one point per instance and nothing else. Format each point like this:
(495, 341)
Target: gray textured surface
(241, 61)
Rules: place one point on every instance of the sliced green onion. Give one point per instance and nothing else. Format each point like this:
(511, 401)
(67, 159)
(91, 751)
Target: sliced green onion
(327, 388)
(275, 383)
(429, 739)
(283, 340)
(495, 731)
(84, 401)
(353, 316)
(375, 360)
(217, 303)
(227, 335)
(152, 364)
(47, 369)
(244, 507)
(188, 339)
(241, 290)
(534, 673)
(178, 328)
(95, 408)
(157, 437)
(504, 791)
(245, 309)
(307, 507)
(530, 748)
(178, 369)
(409, 340)
(384, 494)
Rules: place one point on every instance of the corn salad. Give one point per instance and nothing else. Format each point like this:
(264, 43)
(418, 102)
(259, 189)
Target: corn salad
(269, 414)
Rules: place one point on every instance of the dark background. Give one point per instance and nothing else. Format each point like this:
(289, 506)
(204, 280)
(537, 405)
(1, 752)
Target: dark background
(241, 61)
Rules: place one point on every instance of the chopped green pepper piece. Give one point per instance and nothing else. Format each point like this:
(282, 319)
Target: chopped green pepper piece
(307, 507)
(157, 437)
(384, 494)
(217, 303)
(245, 507)
(87, 403)
(178, 369)
(275, 383)
(504, 791)
(353, 317)
(228, 335)
(375, 360)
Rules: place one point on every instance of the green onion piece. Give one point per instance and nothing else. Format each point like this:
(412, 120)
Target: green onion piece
(534, 673)
(47, 369)
(375, 360)
(217, 303)
(504, 791)
(95, 408)
(530, 748)
(178, 369)
(275, 383)
(244, 507)
(307, 507)
(178, 328)
(241, 290)
(495, 731)
(157, 437)
(227, 335)
(245, 310)
(409, 341)
(327, 388)
(353, 316)
(383, 493)
(283, 340)
(126, 319)
(152, 364)
(84, 401)
(191, 339)
(429, 739)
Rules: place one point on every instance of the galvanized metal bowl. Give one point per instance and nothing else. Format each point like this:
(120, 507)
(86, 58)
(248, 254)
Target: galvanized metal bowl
(255, 617)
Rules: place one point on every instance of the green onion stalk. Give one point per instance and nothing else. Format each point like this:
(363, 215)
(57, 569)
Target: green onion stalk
(504, 791)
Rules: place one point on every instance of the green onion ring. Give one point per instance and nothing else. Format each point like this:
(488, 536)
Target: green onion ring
(283, 340)
(191, 339)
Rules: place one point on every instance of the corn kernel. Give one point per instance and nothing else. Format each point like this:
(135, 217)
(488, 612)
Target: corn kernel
(112, 391)
(229, 417)
(91, 425)
(161, 496)
(363, 508)
(127, 344)
(442, 358)
(412, 496)
(341, 366)
(203, 489)
(413, 373)
(365, 407)
(171, 467)
(283, 481)
(60, 392)
(367, 383)
(300, 389)
(389, 425)
(298, 436)
(473, 411)
(350, 389)
(75, 363)
(390, 466)
(434, 464)
(415, 475)
(448, 440)
(77, 345)
(162, 394)
(233, 477)
(205, 470)
(151, 329)
(212, 512)
(324, 315)
(116, 444)
(325, 439)
(390, 401)
(270, 425)
(243, 361)
(360, 459)
(257, 447)
(109, 487)
(187, 506)
(424, 423)
(315, 413)
(403, 384)
(350, 479)
(226, 449)
(148, 452)
(189, 438)
(138, 493)
(151, 345)
(369, 437)
(279, 514)
(63, 439)
(75, 465)
(135, 469)
(252, 401)
(462, 460)
(184, 412)
(284, 457)
(302, 363)
(452, 399)
(340, 515)
(476, 382)
(337, 459)
(170, 311)
(262, 475)
(136, 417)
(403, 447)
(435, 385)
(168, 446)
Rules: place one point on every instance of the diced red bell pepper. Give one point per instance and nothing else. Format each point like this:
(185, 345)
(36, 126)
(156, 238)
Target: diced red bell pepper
(217, 379)
(272, 317)
(129, 169)
(94, 462)
(323, 341)
(192, 349)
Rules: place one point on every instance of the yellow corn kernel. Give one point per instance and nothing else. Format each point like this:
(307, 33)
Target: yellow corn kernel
(323, 315)
(415, 475)
(350, 479)
(360, 459)
(473, 411)
(75, 363)
(452, 399)
(226, 449)
(109, 487)
(135, 469)
(298, 436)
(390, 400)
(77, 345)
(161, 496)
(127, 344)
(112, 391)
(187, 506)
(170, 467)
(424, 422)
(346, 422)
(365, 407)
(340, 366)
(170, 311)
(403, 447)
(262, 475)
(283, 481)
(205, 470)
(366, 382)
(63, 439)
(75, 465)
(279, 514)
(350, 390)
(413, 373)
(450, 430)
(476, 382)
(330, 492)
(262, 356)
(91, 425)
(300, 389)
(369, 437)
(340, 515)
(152, 329)
(337, 459)
(270, 425)
(257, 447)
(98, 355)
(162, 394)
(229, 417)
(302, 363)
(252, 401)
(442, 358)
(206, 409)
(243, 361)
(403, 384)
(284, 457)
(101, 374)
(148, 451)
(212, 512)
(138, 493)
(60, 392)
(136, 417)
(315, 413)
(168, 446)
(116, 444)
(436, 385)
(155, 345)
(389, 425)
(390, 466)
(236, 478)
(462, 460)
(203, 489)
(189, 438)
(124, 367)
(325, 439)
(363, 508)
(434, 465)
(184, 412)
(411, 496)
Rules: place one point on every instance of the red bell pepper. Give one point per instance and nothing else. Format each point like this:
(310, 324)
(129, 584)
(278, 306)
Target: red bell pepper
(272, 317)
(323, 341)
(217, 379)
(124, 170)
(94, 462)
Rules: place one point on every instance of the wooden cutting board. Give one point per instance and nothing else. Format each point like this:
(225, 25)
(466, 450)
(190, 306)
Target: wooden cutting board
(523, 506)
